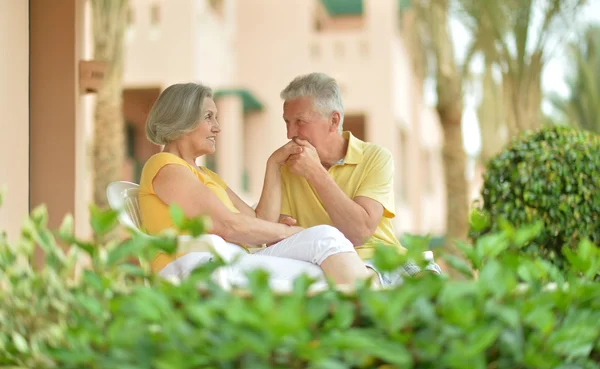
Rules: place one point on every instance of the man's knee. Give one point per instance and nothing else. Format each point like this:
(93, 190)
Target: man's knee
(329, 241)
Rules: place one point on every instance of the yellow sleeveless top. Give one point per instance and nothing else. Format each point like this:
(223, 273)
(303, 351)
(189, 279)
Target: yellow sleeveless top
(155, 213)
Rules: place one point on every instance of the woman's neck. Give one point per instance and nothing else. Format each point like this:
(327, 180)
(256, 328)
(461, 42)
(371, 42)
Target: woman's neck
(180, 151)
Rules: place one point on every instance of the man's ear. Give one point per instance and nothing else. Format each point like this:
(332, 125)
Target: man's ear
(334, 121)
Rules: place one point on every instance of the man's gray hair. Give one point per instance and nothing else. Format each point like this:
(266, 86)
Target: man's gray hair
(323, 89)
(176, 112)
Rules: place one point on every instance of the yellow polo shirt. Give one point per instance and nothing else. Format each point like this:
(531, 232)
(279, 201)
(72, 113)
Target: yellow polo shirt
(155, 213)
(366, 170)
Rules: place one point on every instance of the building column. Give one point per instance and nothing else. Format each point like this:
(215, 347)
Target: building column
(230, 142)
(14, 124)
(56, 143)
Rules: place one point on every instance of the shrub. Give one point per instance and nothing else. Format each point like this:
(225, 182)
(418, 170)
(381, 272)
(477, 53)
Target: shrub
(116, 316)
(553, 176)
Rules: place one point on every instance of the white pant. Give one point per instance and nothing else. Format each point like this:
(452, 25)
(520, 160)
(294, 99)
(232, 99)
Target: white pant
(285, 260)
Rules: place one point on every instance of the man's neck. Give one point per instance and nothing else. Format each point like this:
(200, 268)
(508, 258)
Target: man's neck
(337, 149)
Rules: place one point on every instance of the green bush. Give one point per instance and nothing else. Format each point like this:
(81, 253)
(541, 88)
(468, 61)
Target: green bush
(115, 316)
(552, 176)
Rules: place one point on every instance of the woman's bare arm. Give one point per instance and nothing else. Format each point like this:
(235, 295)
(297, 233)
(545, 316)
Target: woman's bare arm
(240, 204)
(269, 205)
(175, 184)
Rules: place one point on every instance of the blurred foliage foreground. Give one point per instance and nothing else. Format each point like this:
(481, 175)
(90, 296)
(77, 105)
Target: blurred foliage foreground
(519, 312)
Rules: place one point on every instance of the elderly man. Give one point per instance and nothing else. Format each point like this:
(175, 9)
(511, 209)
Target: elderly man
(336, 179)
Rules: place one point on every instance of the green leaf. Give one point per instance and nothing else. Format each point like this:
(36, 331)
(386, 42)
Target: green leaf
(177, 215)
(343, 316)
(528, 233)
(20, 343)
(328, 364)
(491, 279)
(66, 229)
(491, 245)
(479, 220)
(132, 247)
(387, 258)
(89, 248)
(103, 221)
(458, 265)
(470, 252)
(93, 280)
(508, 314)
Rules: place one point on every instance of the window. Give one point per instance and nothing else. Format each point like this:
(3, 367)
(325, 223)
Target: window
(355, 123)
(217, 6)
(130, 17)
(130, 29)
(154, 21)
(154, 15)
(338, 15)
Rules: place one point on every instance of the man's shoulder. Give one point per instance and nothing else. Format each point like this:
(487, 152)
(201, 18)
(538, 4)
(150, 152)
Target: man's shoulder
(373, 152)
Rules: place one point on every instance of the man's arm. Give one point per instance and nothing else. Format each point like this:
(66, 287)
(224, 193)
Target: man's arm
(357, 219)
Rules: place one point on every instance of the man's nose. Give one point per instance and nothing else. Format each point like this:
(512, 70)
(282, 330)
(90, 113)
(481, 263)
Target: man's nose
(291, 131)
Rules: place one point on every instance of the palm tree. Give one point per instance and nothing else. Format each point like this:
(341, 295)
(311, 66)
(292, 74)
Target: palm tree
(109, 18)
(582, 107)
(517, 36)
(491, 115)
(431, 44)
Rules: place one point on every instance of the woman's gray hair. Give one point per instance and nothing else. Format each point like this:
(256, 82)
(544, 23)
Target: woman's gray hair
(176, 112)
(323, 89)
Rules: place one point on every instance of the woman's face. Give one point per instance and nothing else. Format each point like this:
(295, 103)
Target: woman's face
(204, 137)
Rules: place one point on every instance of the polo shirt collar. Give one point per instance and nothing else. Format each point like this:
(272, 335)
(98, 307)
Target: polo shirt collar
(354, 154)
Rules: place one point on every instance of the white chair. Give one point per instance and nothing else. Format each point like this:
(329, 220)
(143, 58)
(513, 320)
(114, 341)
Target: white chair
(123, 197)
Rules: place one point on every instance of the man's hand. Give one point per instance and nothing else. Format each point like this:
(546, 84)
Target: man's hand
(287, 220)
(306, 163)
(279, 156)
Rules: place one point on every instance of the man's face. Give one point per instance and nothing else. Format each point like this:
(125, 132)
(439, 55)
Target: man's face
(304, 121)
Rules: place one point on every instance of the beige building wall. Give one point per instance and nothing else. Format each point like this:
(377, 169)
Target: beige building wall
(14, 105)
(159, 43)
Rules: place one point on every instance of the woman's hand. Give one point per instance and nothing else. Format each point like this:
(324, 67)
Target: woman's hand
(290, 231)
(280, 156)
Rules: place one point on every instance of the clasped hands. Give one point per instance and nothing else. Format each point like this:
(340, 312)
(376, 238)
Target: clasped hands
(302, 157)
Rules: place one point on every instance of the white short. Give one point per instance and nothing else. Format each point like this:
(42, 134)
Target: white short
(286, 260)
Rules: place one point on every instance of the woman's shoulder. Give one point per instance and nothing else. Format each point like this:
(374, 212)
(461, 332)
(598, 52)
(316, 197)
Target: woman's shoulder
(213, 176)
(164, 158)
(156, 162)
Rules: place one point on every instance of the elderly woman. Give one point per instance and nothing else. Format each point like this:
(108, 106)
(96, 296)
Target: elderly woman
(184, 120)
